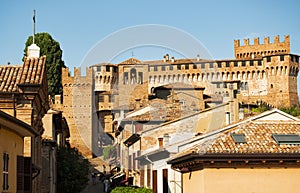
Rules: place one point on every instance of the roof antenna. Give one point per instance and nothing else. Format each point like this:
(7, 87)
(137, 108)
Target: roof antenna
(33, 26)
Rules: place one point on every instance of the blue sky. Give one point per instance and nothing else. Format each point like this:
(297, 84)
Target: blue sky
(79, 25)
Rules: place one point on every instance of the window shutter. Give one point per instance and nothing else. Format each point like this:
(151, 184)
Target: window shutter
(27, 175)
(20, 174)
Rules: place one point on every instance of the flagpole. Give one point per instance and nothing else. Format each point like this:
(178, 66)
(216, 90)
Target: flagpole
(33, 26)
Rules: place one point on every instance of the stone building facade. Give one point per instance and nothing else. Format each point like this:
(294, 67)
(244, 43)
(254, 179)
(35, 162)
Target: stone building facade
(78, 109)
(24, 95)
(263, 72)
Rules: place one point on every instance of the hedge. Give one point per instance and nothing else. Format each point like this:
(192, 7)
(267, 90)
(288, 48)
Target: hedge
(131, 190)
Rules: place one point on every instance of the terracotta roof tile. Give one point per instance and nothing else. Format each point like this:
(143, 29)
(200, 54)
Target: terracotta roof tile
(258, 137)
(30, 73)
(9, 76)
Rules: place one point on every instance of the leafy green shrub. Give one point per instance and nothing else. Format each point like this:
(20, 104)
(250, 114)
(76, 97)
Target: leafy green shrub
(294, 111)
(131, 190)
(260, 109)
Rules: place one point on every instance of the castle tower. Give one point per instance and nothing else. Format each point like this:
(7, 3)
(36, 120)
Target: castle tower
(106, 77)
(270, 72)
(78, 109)
(257, 50)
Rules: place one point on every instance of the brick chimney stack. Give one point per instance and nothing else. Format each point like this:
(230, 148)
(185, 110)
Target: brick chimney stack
(160, 142)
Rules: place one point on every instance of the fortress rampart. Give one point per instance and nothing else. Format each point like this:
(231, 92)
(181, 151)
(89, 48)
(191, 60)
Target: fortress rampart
(258, 50)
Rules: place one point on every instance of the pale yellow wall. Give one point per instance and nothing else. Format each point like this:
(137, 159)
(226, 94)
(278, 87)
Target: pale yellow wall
(12, 144)
(48, 126)
(262, 180)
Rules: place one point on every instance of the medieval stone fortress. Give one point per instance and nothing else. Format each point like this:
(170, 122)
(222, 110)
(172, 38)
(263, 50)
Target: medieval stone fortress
(260, 73)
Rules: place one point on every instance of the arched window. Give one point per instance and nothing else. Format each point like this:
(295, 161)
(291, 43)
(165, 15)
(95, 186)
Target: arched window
(133, 76)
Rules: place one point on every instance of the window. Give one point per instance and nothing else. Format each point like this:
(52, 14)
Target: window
(227, 64)
(115, 69)
(163, 68)
(24, 174)
(155, 68)
(165, 181)
(107, 68)
(235, 64)
(219, 65)
(101, 98)
(268, 58)
(238, 138)
(171, 67)
(243, 63)
(125, 78)
(178, 67)
(5, 171)
(98, 68)
(282, 58)
(211, 65)
(133, 76)
(244, 86)
(154, 180)
(186, 66)
(297, 59)
(203, 65)
(140, 78)
(251, 63)
(194, 66)
(111, 98)
(286, 138)
(259, 63)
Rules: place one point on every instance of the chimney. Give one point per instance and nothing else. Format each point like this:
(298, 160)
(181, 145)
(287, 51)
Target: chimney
(227, 116)
(172, 59)
(198, 57)
(166, 138)
(160, 142)
(33, 51)
(241, 114)
(167, 57)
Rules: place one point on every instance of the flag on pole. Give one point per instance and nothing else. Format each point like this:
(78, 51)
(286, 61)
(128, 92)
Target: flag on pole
(33, 16)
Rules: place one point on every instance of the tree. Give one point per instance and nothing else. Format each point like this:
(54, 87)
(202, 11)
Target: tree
(72, 170)
(54, 63)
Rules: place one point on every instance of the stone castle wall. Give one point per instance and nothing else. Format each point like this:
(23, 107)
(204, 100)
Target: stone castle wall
(264, 72)
(77, 108)
(258, 50)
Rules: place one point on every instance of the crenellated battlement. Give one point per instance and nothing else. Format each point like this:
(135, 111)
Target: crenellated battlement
(258, 50)
(78, 76)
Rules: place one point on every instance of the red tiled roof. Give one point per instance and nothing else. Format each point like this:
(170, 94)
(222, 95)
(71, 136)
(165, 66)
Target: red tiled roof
(259, 140)
(258, 137)
(30, 73)
(131, 61)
